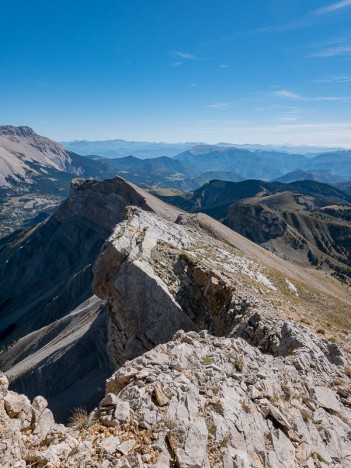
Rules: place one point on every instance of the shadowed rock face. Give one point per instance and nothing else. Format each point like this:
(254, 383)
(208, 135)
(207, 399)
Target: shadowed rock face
(75, 343)
(45, 274)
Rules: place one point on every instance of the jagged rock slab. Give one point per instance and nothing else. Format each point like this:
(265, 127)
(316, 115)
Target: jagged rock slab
(224, 404)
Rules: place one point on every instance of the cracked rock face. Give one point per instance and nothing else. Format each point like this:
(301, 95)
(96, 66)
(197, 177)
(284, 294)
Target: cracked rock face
(198, 401)
(155, 284)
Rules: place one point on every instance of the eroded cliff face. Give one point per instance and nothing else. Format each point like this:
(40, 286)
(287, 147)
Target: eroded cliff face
(255, 222)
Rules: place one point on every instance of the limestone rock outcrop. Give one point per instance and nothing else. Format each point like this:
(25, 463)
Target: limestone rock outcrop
(198, 401)
(158, 277)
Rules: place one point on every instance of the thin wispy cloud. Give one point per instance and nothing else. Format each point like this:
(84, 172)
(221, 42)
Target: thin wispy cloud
(332, 79)
(185, 55)
(219, 105)
(332, 8)
(283, 93)
(285, 119)
(304, 21)
(224, 65)
(333, 51)
(175, 64)
(287, 94)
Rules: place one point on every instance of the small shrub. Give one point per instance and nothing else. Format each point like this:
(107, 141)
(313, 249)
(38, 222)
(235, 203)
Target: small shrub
(213, 430)
(239, 363)
(319, 457)
(347, 370)
(80, 419)
(321, 331)
(218, 408)
(274, 399)
(224, 441)
(287, 392)
(305, 415)
(207, 360)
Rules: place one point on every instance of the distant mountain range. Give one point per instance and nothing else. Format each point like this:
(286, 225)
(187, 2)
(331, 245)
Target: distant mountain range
(200, 164)
(325, 176)
(123, 148)
(144, 150)
(35, 172)
(267, 165)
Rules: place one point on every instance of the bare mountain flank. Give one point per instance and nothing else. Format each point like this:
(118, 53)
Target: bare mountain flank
(35, 174)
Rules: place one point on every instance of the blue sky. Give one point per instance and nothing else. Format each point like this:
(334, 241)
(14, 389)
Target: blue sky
(259, 71)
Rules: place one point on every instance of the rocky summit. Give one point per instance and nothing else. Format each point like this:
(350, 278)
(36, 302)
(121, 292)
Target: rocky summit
(216, 352)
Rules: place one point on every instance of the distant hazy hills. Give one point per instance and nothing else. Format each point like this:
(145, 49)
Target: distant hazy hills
(325, 176)
(268, 165)
(123, 148)
(200, 164)
(143, 149)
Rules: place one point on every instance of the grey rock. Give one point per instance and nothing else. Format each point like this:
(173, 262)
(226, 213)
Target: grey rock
(326, 398)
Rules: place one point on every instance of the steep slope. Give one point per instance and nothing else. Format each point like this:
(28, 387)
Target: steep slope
(243, 385)
(35, 175)
(304, 221)
(45, 274)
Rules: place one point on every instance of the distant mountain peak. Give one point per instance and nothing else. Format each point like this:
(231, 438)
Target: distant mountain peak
(21, 131)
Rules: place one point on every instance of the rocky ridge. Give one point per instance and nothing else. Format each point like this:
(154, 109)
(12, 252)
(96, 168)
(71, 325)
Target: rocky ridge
(241, 386)
(200, 401)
